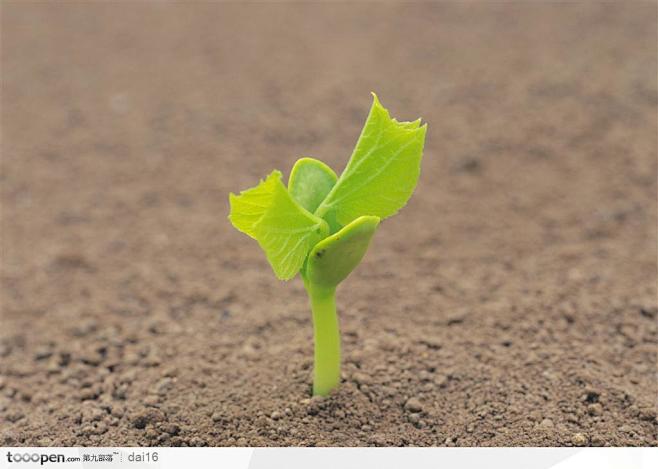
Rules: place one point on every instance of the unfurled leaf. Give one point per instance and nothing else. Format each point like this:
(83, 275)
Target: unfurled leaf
(382, 172)
(249, 207)
(284, 230)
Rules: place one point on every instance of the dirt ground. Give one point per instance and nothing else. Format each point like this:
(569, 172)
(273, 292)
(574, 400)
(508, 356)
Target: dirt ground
(512, 302)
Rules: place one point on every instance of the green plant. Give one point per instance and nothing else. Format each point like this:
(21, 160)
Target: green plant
(321, 225)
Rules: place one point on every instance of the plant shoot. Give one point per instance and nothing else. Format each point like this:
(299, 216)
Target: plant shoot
(320, 225)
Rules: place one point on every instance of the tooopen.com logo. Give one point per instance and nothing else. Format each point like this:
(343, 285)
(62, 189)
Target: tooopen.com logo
(35, 457)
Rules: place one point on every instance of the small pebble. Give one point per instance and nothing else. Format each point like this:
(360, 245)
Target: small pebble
(414, 418)
(151, 400)
(595, 409)
(53, 367)
(413, 405)
(164, 386)
(101, 428)
(579, 439)
(147, 416)
(361, 378)
(87, 430)
(378, 440)
(441, 380)
(598, 441)
(170, 428)
(92, 414)
(546, 423)
(89, 394)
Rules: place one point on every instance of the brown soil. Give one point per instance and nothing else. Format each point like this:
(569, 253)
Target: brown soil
(512, 302)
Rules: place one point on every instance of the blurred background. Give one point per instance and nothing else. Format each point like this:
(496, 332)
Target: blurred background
(520, 277)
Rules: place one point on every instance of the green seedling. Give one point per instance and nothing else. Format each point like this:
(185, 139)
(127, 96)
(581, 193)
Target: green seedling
(320, 226)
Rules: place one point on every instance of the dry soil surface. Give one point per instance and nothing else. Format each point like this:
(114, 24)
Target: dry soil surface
(512, 302)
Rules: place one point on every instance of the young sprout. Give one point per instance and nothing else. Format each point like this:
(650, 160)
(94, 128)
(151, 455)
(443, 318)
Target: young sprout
(320, 226)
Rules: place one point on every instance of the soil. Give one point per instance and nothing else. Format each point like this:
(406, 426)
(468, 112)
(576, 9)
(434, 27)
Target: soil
(512, 302)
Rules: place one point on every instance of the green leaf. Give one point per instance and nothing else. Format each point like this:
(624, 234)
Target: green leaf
(283, 229)
(382, 172)
(249, 207)
(310, 181)
(333, 259)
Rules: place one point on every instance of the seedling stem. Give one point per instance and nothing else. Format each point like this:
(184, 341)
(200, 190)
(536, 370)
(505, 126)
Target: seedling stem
(326, 335)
